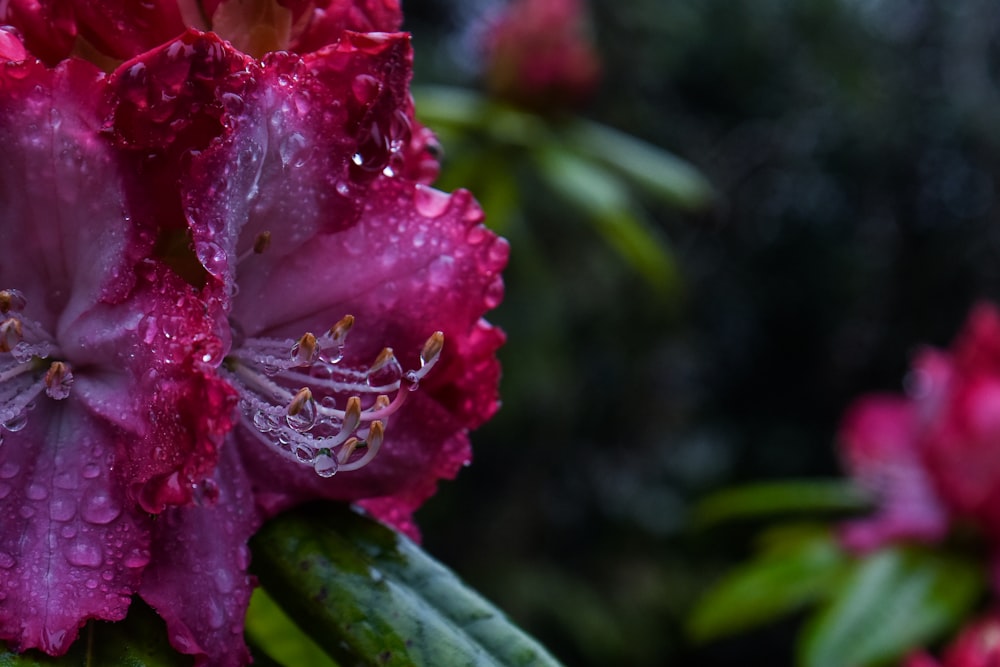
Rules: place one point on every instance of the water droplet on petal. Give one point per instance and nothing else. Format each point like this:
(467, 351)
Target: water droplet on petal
(430, 203)
(17, 422)
(83, 554)
(100, 508)
(6, 560)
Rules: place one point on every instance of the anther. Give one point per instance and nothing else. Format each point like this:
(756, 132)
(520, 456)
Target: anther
(383, 358)
(338, 332)
(261, 243)
(11, 300)
(352, 415)
(58, 380)
(432, 349)
(11, 334)
(299, 402)
(347, 449)
(301, 413)
(306, 350)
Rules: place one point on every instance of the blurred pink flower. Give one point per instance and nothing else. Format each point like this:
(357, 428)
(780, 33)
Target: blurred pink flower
(934, 456)
(539, 55)
(978, 645)
(232, 217)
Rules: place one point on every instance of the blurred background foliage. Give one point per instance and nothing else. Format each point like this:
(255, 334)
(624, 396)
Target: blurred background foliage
(853, 147)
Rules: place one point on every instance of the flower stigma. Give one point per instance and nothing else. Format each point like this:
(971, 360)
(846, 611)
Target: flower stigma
(25, 368)
(300, 399)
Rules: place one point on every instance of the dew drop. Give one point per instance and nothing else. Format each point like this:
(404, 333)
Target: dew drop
(36, 492)
(365, 87)
(62, 509)
(100, 508)
(325, 466)
(136, 558)
(17, 422)
(91, 470)
(6, 560)
(9, 469)
(305, 418)
(494, 293)
(4, 490)
(212, 257)
(84, 554)
(430, 202)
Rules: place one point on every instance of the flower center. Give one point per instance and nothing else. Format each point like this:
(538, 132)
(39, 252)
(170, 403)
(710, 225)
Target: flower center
(25, 366)
(298, 397)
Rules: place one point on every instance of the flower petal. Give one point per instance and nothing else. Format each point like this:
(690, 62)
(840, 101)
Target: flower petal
(879, 442)
(68, 242)
(70, 548)
(416, 262)
(47, 26)
(198, 579)
(285, 164)
(125, 28)
(323, 21)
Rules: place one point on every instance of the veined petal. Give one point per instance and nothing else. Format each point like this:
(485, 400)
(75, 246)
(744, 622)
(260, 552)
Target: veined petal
(417, 261)
(299, 150)
(198, 579)
(71, 547)
(68, 242)
(158, 353)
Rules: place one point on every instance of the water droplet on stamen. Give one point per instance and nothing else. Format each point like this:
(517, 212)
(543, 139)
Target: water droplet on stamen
(325, 466)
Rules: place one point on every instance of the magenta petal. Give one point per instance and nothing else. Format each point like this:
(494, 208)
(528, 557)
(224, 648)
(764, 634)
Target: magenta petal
(198, 579)
(47, 26)
(323, 21)
(879, 438)
(125, 28)
(285, 164)
(71, 548)
(69, 238)
(416, 262)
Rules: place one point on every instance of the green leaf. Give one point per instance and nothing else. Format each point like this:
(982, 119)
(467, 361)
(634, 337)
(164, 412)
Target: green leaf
(658, 171)
(894, 599)
(769, 498)
(605, 201)
(469, 111)
(370, 596)
(138, 641)
(798, 565)
(270, 631)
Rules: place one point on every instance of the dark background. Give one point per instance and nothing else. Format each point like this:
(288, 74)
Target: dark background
(854, 146)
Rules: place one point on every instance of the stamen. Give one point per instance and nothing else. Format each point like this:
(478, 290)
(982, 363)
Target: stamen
(290, 391)
(24, 371)
(260, 245)
(58, 380)
(429, 356)
(11, 301)
(11, 333)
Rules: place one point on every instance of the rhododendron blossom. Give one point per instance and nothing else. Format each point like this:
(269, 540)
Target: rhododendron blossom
(539, 54)
(227, 289)
(933, 457)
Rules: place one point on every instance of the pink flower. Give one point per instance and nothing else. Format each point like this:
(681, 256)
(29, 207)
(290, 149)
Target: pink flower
(276, 204)
(879, 444)
(933, 457)
(978, 645)
(99, 416)
(539, 54)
